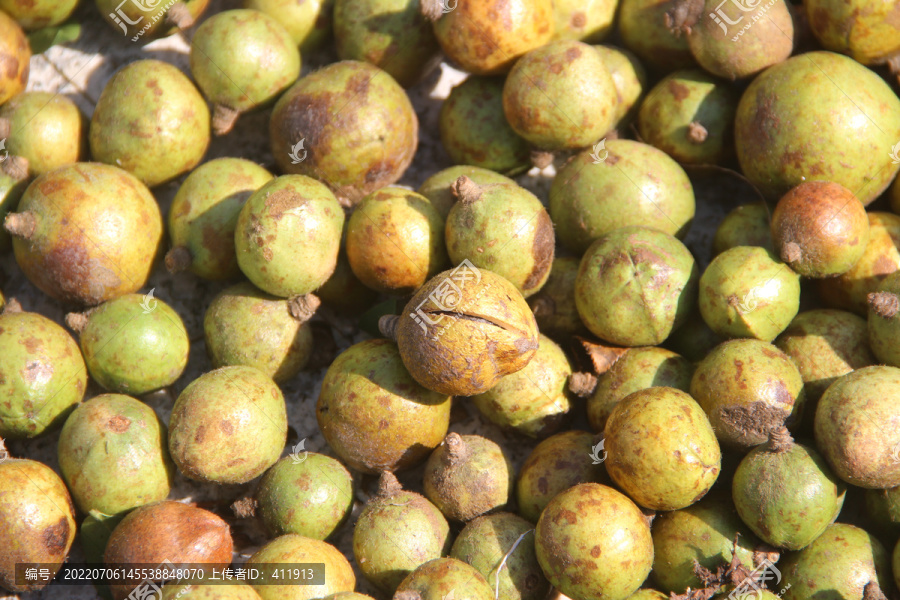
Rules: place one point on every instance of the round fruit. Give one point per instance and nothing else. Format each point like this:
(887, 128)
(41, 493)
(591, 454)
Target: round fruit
(883, 322)
(11, 190)
(293, 549)
(865, 30)
(589, 21)
(644, 26)
(15, 54)
(309, 23)
(139, 20)
(344, 292)
(694, 339)
(438, 187)
(200, 591)
(554, 305)
(746, 225)
(151, 121)
(46, 130)
(228, 426)
(442, 577)
(629, 78)
(37, 14)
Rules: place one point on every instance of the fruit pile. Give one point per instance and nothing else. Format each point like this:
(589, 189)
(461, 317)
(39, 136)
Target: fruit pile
(702, 417)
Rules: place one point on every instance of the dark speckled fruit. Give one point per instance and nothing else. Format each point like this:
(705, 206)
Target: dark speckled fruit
(442, 578)
(642, 24)
(292, 549)
(884, 322)
(15, 54)
(37, 14)
(309, 22)
(588, 22)
(438, 187)
(868, 31)
(45, 129)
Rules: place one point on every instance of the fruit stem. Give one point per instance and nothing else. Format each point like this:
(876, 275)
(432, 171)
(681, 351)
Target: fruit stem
(76, 321)
(541, 159)
(304, 307)
(5, 128)
(780, 440)
(872, 591)
(12, 306)
(388, 485)
(387, 325)
(245, 508)
(602, 357)
(457, 451)
(884, 304)
(582, 384)
(431, 9)
(178, 259)
(465, 190)
(16, 167)
(180, 16)
(21, 224)
(223, 119)
(697, 133)
(791, 252)
(407, 595)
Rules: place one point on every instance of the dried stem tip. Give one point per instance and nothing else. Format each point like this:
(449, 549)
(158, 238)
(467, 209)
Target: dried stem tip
(21, 224)
(304, 307)
(16, 167)
(791, 252)
(872, 591)
(223, 119)
(457, 451)
(884, 304)
(178, 259)
(387, 325)
(12, 306)
(582, 384)
(245, 508)
(780, 440)
(431, 9)
(465, 190)
(180, 16)
(76, 321)
(388, 485)
(541, 159)
(696, 133)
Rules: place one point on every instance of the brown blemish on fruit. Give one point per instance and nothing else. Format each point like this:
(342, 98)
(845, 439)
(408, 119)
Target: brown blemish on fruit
(56, 537)
(118, 424)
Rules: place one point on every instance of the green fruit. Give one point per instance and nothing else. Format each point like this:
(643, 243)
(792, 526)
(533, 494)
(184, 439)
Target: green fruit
(748, 388)
(442, 577)
(535, 401)
(555, 465)
(390, 34)
(295, 549)
(644, 30)
(86, 233)
(501, 547)
(228, 426)
(554, 304)
(151, 121)
(344, 292)
(689, 115)
(11, 190)
(288, 234)
(854, 427)
(560, 96)
(503, 228)
(654, 595)
(468, 476)
(38, 520)
(358, 126)
(593, 542)
(867, 31)
(42, 375)
(37, 14)
(200, 591)
(46, 130)
(395, 241)
(474, 129)
(775, 126)
(785, 492)
(840, 564)
(883, 322)
(694, 339)
(373, 413)
(397, 532)
(113, 456)
(310, 495)
(15, 54)
(635, 286)
(589, 21)
(662, 450)
(589, 198)
(883, 508)
(309, 22)
(138, 21)
(746, 225)
(637, 369)
(448, 351)
(629, 78)
(204, 213)
(747, 292)
(134, 344)
(438, 187)
(242, 60)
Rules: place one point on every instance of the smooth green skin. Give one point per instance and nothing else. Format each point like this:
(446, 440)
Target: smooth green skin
(554, 305)
(588, 200)
(295, 255)
(883, 508)
(704, 532)
(243, 59)
(856, 427)
(643, 28)
(555, 465)
(15, 53)
(205, 211)
(438, 578)
(135, 344)
(534, 401)
(593, 542)
(740, 53)
(683, 98)
(474, 130)
(390, 34)
(506, 230)
(199, 591)
(746, 292)
(155, 20)
(588, 21)
(344, 292)
(244, 326)
(837, 566)
(437, 187)
(825, 344)
(629, 77)
(311, 498)
(694, 339)
(359, 129)
(374, 415)
(637, 369)
(295, 549)
(10, 193)
(118, 254)
(635, 286)
(42, 375)
(748, 381)
(151, 121)
(484, 542)
(38, 519)
(394, 535)
(395, 241)
(36, 14)
(231, 407)
(113, 456)
(868, 31)
(478, 483)
(783, 138)
(308, 22)
(746, 225)
(47, 129)
(787, 498)
(560, 96)
(662, 450)
(883, 332)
